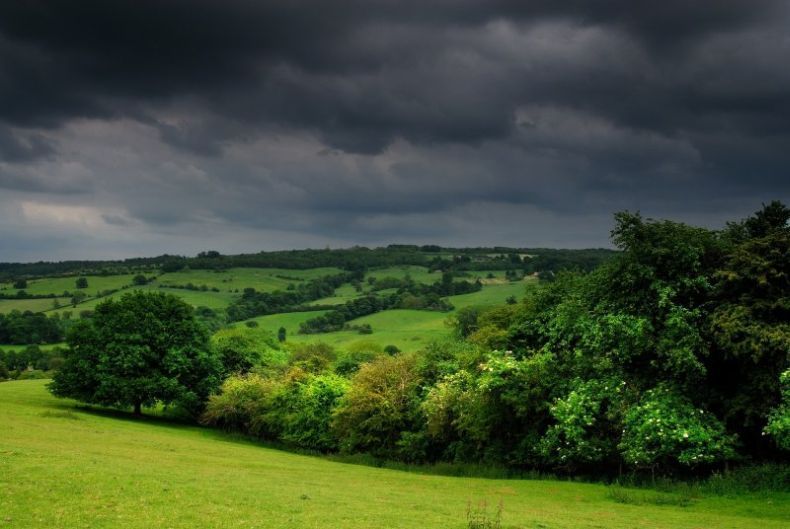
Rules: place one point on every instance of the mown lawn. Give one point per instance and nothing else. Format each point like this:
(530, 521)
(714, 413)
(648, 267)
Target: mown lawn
(63, 466)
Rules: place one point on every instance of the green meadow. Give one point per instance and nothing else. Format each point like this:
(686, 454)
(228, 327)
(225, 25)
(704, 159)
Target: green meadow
(67, 466)
(409, 330)
(237, 279)
(59, 285)
(33, 305)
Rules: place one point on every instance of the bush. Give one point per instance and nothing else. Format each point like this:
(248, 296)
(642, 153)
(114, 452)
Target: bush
(240, 403)
(779, 421)
(666, 430)
(380, 406)
(312, 357)
(301, 411)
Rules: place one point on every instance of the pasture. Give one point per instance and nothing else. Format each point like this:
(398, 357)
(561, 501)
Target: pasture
(64, 466)
(409, 330)
(237, 279)
(32, 305)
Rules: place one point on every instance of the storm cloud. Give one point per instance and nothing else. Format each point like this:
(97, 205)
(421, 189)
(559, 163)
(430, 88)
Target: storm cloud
(142, 127)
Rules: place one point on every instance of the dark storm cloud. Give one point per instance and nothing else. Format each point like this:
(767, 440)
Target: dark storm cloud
(361, 120)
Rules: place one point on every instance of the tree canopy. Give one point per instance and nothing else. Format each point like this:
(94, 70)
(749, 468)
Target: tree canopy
(143, 349)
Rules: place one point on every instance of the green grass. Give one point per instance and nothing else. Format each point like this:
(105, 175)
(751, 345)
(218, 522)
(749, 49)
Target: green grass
(343, 294)
(68, 467)
(419, 274)
(409, 330)
(33, 305)
(43, 347)
(58, 285)
(261, 279)
(494, 294)
(289, 320)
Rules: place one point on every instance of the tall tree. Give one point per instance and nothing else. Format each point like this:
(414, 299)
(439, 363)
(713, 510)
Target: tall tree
(143, 349)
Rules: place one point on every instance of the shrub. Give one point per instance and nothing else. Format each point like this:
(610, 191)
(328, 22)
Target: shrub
(584, 425)
(779, 421)
(665, 429)
(242, 400)
(301, 411)
(381, 404)
(313, 357)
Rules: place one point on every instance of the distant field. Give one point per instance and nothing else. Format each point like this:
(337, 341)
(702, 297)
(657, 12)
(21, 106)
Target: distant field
(58, 285)
(67, 467)
(44, 347)
(419, 274)
(261, 279)
(495, 294)
(289, 320)
(33, 305)
(409, 330)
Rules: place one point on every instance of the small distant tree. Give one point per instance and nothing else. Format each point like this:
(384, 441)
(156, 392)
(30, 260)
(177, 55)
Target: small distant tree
(20, 284)
(78, 298)
(281, 334)
(143, 349)
(139, 280)
(82, 282)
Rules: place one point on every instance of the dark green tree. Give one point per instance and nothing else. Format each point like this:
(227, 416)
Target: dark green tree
(281, 334)
(143, 349)
(749, 328)
(82, 282)
(139, 280)
(20, 284)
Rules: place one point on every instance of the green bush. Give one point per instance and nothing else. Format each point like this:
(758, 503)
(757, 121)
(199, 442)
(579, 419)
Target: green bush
(665, 429)
(240, 403)
(779, 421)
(380, 406)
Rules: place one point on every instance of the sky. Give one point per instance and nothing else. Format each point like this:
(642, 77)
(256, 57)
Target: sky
(142, 127)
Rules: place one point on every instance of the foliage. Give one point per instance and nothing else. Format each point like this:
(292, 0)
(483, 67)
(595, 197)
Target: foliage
(666, 429)
(585, 424)
(241, 348)
(779, 420)
(144, 349)
(380, 406)
(30, 328)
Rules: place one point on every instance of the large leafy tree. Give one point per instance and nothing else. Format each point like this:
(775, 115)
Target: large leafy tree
(750, 325)
(143, 349)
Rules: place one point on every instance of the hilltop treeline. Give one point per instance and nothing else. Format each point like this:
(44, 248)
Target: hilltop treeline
(254, 303)
(672, 357)
(350, 259)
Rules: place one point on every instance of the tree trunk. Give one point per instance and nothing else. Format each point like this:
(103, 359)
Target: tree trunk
(138, 409)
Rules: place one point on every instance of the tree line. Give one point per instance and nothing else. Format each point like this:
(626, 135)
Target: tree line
(670, 358)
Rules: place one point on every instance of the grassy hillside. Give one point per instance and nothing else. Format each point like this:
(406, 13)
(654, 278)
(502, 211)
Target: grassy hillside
(33, 305)
(58, 285)
(67, 467)
(409, 330)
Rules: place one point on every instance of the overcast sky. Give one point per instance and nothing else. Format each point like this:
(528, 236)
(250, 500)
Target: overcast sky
(137, 127)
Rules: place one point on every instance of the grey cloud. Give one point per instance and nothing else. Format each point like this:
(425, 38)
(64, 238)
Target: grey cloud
(375, 120)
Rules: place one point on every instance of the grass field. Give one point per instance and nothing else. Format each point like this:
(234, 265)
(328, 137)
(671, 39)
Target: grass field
(67, 467)
(261, 279)
(43, 347)
(33, 305)
(58, 285)
(419, 274)
(409, 330)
